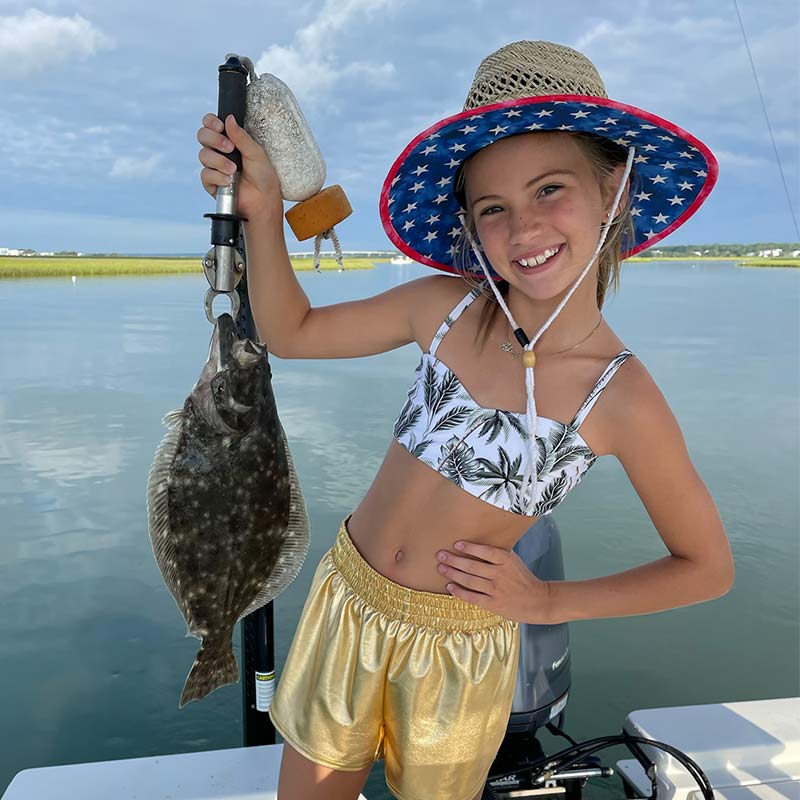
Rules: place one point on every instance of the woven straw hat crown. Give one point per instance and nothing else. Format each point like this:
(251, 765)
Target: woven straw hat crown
(530, 69)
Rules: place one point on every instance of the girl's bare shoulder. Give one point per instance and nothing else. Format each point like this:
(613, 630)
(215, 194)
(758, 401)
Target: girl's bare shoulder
(637, 413)
(435, 296)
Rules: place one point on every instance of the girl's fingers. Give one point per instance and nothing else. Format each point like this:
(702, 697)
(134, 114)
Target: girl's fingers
(471, 565)
(215, 140)
(466, 580)
(212, 121)
(216, 161)
(241, 138)
(211, 178)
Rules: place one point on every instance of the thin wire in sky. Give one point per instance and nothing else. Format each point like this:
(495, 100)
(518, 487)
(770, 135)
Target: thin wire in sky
(766, 116)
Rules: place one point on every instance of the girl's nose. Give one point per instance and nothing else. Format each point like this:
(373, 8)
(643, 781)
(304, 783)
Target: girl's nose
(524, 227)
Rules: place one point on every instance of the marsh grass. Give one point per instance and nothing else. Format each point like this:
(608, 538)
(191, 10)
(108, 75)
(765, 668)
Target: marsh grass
(749, 262)
(45, 267)
(66, 266)
(770, 262)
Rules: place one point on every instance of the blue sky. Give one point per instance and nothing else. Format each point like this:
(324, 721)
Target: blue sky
(102, 101)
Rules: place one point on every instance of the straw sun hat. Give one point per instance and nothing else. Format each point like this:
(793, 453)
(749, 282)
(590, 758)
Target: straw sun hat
(540, 86)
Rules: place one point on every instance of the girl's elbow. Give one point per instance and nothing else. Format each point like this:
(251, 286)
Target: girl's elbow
(724, 578)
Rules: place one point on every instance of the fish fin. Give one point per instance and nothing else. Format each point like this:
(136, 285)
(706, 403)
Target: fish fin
(294, 549)
(173, 418)
(213, 667)
(158, 510)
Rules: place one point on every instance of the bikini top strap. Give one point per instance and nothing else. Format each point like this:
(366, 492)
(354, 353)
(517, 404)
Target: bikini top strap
(450, 319)
(602, 381)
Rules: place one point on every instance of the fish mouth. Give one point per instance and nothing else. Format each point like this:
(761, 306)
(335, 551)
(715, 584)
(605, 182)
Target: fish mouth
(234, 380)
(228, 351)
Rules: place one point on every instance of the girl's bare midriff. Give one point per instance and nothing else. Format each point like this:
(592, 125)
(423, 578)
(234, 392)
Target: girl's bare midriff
(411, 512)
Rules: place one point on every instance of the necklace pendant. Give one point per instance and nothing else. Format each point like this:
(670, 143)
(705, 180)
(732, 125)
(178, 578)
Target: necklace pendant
(509, 348)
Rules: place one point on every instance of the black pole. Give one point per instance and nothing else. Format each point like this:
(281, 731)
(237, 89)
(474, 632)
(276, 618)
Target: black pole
(257, 629)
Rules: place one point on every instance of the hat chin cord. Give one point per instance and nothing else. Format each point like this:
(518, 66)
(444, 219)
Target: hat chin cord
(530, 475)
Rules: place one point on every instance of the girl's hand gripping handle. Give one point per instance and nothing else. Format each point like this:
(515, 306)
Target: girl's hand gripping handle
(232, 98)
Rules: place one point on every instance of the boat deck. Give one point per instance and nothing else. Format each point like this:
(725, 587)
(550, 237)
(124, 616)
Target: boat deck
(242, 773)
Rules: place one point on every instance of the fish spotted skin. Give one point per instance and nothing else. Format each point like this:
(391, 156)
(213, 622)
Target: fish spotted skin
(227, 519)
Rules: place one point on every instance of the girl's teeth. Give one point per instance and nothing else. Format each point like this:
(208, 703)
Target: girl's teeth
(538, 260)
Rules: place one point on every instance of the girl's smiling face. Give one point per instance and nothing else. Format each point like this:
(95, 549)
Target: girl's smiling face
(533, 196)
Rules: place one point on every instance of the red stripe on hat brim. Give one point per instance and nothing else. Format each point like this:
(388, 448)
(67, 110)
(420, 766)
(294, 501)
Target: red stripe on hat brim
(710, 181)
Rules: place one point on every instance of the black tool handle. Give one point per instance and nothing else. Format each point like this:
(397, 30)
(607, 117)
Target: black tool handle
(232, 98)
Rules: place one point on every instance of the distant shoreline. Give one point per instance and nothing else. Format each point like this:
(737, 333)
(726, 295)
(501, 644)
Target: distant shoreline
(67, 266)
(98, 266)
(744, 262)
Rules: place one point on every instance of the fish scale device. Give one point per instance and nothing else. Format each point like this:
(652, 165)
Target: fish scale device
(266, 108)
(226, 516)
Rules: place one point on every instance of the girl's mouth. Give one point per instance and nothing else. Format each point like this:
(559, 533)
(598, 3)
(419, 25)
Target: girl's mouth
(530, 267)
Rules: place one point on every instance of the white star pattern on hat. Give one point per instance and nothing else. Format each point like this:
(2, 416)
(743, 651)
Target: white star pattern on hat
(670, 189)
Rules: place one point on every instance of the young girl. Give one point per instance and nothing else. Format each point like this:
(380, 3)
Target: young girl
(408, 642)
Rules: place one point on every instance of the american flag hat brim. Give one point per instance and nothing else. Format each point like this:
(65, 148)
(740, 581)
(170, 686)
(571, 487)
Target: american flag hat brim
(673, 171)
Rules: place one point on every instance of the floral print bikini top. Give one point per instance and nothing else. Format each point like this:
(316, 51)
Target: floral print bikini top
(485, 450)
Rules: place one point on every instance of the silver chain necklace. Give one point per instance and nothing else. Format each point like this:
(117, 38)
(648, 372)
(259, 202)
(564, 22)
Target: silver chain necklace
(509, 348)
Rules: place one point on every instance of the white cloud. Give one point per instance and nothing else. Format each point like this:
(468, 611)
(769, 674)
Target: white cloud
(135, 167)
(726, 157)
(34, 42)
(310, 66)
(102, 130)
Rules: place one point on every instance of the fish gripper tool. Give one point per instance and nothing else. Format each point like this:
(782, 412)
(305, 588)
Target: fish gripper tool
(223, 264)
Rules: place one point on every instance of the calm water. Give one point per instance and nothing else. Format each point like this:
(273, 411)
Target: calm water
(92, 647)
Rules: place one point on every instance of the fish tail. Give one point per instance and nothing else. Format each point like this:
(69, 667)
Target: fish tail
(213, 667)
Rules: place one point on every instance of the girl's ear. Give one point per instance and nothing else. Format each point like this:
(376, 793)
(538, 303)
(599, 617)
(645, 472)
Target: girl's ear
(612, 185)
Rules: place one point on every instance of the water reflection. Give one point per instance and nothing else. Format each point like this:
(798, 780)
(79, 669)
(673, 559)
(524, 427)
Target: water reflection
(81, 405)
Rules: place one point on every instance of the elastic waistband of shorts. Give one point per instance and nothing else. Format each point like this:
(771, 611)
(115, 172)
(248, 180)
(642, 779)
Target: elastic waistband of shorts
(429, 609)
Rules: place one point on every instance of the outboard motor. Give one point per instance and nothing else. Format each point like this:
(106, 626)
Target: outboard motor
(543, 674)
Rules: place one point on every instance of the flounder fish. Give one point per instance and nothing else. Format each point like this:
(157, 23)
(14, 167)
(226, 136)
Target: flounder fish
(227, 519)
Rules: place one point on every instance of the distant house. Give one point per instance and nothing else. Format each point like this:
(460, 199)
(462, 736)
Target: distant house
(8, 251)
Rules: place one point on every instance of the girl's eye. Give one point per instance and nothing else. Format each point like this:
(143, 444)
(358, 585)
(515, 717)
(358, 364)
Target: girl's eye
(489, 209)
(551, 186)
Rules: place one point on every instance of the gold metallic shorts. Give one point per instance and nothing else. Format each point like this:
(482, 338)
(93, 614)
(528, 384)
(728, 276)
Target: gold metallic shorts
(380, 671)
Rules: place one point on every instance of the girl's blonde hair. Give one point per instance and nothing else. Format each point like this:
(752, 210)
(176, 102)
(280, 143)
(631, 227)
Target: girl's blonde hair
(604, 156)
